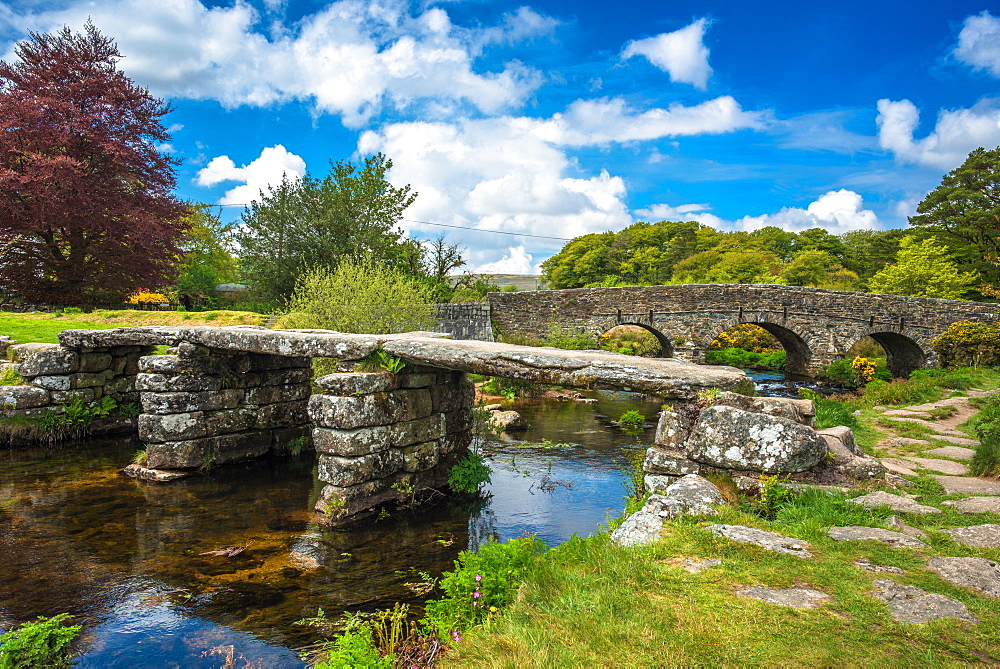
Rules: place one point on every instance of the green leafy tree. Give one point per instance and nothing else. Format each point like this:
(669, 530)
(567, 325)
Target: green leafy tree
(350, 213)
(363, 296)
(923, 269)
(868, 251)
(206, 261)
(813, 267)
(964, 213)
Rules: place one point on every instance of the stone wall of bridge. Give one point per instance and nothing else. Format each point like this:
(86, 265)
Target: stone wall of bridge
(815, 326)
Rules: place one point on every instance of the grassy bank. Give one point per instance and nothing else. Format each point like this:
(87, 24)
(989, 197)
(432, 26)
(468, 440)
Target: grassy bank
(43, 327)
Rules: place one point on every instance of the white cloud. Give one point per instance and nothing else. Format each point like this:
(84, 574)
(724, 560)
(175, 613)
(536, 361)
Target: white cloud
(350, 58)
(516, 261)
(956, 133)
(682, 54)
(259, 175)
(685, 212)
(979, 43)
(837, 211)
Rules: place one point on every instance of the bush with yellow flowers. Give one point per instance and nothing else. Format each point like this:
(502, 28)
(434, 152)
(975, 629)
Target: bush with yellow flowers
(967, 344)
(146, 297)
(748, 337)
(864, 370)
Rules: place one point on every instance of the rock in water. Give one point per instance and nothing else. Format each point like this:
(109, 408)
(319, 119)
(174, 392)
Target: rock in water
(731, 438)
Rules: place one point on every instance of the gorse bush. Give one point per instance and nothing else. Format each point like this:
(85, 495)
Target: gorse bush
(738, 357)
(748, 337)
(968, 344)
(47, 642)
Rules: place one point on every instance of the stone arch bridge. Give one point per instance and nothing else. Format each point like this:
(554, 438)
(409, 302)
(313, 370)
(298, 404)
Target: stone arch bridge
(815, 326)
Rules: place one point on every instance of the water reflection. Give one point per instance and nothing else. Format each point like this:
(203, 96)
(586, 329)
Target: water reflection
(128, 557)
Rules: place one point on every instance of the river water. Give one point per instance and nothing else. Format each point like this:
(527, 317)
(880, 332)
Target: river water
(126, 557)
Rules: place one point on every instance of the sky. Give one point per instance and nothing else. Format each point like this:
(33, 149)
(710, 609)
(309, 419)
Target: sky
(525, 125)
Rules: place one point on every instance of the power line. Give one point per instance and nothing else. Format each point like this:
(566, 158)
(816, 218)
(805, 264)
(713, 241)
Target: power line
(457, 227)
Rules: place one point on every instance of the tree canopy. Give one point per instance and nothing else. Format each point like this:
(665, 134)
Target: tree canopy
(86, 210)
(923, 268)
(352, 212)
(964, 213)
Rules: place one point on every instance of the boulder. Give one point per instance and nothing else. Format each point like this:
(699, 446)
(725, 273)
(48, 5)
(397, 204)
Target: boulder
(657, 484)
(731, 438)
(691, 495)
(48, 362)
(671, 430)
(671, 463)
(158, 475)
(22, 397)
(509, 421)
(800, 411)
(21, 352)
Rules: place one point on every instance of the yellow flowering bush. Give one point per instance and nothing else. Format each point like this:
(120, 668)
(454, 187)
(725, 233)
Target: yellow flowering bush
(968, 344)
(145, 296)
(748, 337)
(864, 370)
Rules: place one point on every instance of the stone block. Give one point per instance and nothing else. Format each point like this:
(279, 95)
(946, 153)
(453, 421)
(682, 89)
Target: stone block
(118, 364)
(21, 352)
(281, 415)
(174, 364)
(83, 394)
(454, 444)
(357, 383)
(365, 440)
(48, 362)
(424, 380)
(182, 402)
(172, 427)
(418, 457)
(369, 410)
(228, 420)
(52, 382)
(344, 472)
(659, 461)
(453, 396)
(81, 380)
(179, 383)
(22, 397)
(194, 453)
(275, 394)
(120, 384)
(94, 362)
(177, 454)
(458, 421)
(671, 430)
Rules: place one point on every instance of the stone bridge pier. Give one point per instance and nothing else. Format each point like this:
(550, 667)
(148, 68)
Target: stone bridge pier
(225, 395)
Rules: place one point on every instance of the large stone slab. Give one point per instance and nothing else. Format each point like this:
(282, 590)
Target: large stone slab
(942, 466)
(894, 502)
(731, 438)
(978, 574)
(975, 504)
(767, 540)
(977, 536)
(365, 440)
(22, 397)
(48, 362)
(691, 495)
(796, 598)
(953, 452)
(968, 485)
(909, 604)
(858, 533)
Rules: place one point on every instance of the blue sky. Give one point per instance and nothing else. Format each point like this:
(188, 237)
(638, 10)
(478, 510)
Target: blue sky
(557, 119)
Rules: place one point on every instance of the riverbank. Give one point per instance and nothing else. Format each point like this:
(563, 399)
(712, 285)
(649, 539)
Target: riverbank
(677, 601)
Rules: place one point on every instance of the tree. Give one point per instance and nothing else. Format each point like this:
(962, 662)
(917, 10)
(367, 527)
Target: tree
(923, 269)
(206, 261)
(86, 211)
(351, 213)
(964, 213)
(868, 251)
(819, 269)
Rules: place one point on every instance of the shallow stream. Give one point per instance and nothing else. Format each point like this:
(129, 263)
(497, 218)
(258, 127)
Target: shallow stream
(127, 557)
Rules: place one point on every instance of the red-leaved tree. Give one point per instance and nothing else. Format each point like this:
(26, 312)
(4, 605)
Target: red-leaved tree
(87, 213)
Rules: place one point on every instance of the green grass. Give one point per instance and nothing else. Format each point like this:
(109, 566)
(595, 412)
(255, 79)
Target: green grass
(44, 328)
(591, 603)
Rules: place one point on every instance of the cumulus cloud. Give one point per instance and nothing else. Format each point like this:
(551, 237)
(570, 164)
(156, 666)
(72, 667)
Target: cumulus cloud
(516, 261)
(350, 58)
(979, 43)
(685, 212)
(956, 133)
(682, 54)
(259, 175)
(837, 211)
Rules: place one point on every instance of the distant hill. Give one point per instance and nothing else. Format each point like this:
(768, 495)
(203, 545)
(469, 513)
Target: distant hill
(519, 281)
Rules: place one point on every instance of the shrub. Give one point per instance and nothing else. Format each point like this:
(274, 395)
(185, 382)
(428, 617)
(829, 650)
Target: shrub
(9, 377)
(482, 583)
(748, 337)
(509, 388)
(43, 643)
(632, 421)
(738, 357)
(966, 344)
(986, 460)
(468, 475)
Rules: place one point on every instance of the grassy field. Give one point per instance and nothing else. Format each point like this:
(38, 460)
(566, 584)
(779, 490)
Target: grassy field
(40, 327)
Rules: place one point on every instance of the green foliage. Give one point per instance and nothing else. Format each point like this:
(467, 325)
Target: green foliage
(737, 357)
(141, 457)
(359, 297)
(43, 643)
(509, 388)
(77, 416)
(381, 359)
(830, 412)
(206, 260)
(355, 649)
(631, 420)
(483, 583)
(820, 269)
(967, 344)
(964, 213)
(10, 377)
(351, 213)
(986, 460)
(629, 340)
(468, 475)
(923, 269)
(771, 498)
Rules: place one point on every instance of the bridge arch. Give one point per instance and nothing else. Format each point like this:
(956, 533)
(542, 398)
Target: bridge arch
(798, 352)
(666, 344)
(903, 352)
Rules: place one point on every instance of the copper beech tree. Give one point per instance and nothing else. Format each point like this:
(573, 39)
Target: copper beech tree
(86, 210)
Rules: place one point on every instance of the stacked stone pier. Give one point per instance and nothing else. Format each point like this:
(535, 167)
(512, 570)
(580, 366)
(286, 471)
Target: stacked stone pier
(223, 395)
